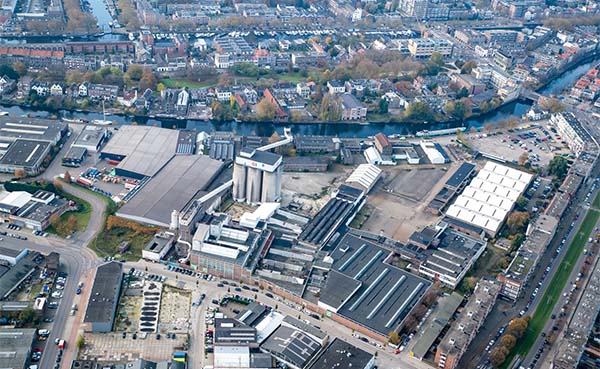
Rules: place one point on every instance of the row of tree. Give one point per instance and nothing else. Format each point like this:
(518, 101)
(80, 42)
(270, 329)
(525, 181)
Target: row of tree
(515, 330)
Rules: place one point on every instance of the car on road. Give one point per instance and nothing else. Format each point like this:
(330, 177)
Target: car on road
(53, 305)
(268, 294)
(57, 295)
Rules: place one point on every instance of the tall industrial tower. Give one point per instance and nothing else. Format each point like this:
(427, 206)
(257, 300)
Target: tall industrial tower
(257, 176)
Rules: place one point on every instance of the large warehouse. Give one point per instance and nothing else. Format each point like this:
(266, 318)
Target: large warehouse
(364, 289)
(26, 142)
(104, 298)
(141, 150)
(171, 189)
(490, 196)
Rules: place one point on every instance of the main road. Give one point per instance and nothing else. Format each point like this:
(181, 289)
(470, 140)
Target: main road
(78, 261)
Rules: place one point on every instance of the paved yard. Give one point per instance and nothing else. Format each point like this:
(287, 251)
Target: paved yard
(112, 347)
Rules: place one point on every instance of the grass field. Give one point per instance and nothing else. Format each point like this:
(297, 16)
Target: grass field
(558, 282)
(82, 215)
(108, 241)
(179, 83)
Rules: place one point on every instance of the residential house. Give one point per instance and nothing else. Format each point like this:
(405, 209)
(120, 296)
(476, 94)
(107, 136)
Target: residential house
(251, 96)
(223, 95)
(24, 86)
(352, 108)
(57, 89)
(336, 87)
(83, 89)
(104, 92)
(41, 88)
(356, 87)
(183, 101)
(128, 99)
(145, 100)
(7, 85)
(303, 89)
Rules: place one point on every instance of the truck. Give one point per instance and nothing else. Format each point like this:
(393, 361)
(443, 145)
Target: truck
(62, 344)
(84, 181)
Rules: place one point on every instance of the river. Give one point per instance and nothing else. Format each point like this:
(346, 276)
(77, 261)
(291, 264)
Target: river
(332, 129)
(100, 11)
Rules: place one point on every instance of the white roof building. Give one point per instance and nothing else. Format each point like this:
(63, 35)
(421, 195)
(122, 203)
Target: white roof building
(15, 198)
(365, 175)
(232, 357)
(490, 196)
(433, 154)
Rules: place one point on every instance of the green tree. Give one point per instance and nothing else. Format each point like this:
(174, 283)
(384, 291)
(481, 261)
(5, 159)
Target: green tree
(468, 67)
(435, 63)
(419, 111)
(27, 315)
(394, 337)
(383, 106)
(458, 110)
(558, 166)
(518, 240)
(7, 70)
(135, 72)
(80, 343)
(463, 92)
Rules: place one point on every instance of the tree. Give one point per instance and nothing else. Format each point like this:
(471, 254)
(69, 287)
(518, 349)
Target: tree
(523, 159)
(27, 315)
(516, 221)
(458, 110)
(80, 343)
(383, 106)
(469, 283)
(558, 166)
(517, 327)
(463, 92)
(551, 104)
(418, 111)
(521, 203)
(148, 80)
(20, 173)
(67, 177)
(7, 70)
(57, 184)
(468, 67)
(275, 137)
(20, 68)
(265, 109)
(497, 356)
(135, 72)
(508, 341)
(71, 225)
(394, 337)
(160, 87)
(435, 63)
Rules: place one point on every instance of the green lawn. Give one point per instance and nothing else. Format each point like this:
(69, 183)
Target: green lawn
(558, 282)
(107, 243)
(179, 83)
(290, 77)
(82, 215)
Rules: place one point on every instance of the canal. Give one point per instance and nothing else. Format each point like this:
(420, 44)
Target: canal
(333, 129)
(100, 11)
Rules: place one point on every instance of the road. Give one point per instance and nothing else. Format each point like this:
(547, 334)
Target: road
(386, 359)
(78, 261)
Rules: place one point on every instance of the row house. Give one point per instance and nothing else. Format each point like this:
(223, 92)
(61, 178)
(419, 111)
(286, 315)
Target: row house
(7, 85)
(98, 91)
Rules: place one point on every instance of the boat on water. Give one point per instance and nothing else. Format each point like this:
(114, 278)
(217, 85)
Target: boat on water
(102, 122)
(131, 36)
(3, 113)
(75, 120)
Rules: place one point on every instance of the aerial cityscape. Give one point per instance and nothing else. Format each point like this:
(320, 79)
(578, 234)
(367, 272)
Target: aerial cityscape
(299, 184)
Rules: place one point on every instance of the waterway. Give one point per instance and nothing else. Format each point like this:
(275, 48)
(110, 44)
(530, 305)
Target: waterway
(333, 129)
(100, 11)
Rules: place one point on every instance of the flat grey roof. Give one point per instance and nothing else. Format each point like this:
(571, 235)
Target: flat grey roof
(386, 295)
(15, 345)
(145, 149)
(13, 128)
(16, 273)
(25, 153)
(171, 189)
(90, 136)
(460, 175)
(9, 252)
(101, 305)
(291, 345)
(341, 354)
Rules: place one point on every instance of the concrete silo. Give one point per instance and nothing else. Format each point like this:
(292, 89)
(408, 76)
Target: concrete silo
(257, 176)
(239, 182)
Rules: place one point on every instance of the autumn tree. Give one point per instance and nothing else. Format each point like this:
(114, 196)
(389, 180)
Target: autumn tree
(20, 68)
(57, 184)
(80, 343)
(509, 341)
(468, 67)
(394, 337)
(275, 137)
(20, 173)
(265, 109)
(498, 356)
(458, 110)
(517, 220)
(67, 177)
(551, 105)
(517, 327)
(148, 80)
(523, 159)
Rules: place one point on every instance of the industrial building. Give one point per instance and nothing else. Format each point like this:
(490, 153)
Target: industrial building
(180, 180)
(365, 176)
(158, 247)
(25, 155)
(448, 254)
(32, 211)
(383, 144)
(91, 138)
(341, 354)
(12, 256)
(11, 279)
(339, 210)
(316, 144)
(453, 186)
(292, 346)
(257, 176)
(74, 157)
(226, 249)
(465, 328)
(104, 298)
(365, 290)
(15, 347)
(141, 150)
(490, 196)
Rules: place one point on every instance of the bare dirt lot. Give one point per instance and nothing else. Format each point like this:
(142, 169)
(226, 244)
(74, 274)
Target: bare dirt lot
(396, 204)
(313, 190)
(113, 347)
(175, 310)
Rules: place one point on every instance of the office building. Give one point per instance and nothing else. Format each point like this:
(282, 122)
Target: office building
(571, 130)
(422, 48)
(104, 298)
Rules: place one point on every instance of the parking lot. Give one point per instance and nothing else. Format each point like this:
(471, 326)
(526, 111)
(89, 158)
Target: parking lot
(113, 347)
(540, 143)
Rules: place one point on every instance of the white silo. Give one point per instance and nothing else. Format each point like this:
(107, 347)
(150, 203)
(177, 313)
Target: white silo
(254, 184)
(239, 182)
(174, 220)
